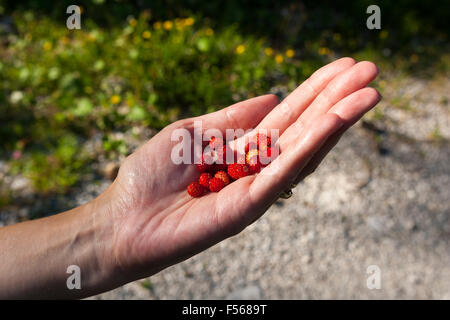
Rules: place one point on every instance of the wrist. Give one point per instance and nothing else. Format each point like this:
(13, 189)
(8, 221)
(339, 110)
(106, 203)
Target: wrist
(82, 237)
(102, 214)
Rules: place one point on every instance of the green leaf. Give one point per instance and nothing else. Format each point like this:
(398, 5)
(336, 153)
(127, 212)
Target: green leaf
(152, 98)
(84, 107)
(53, 73)
(99, 65)
(137, 113)
(203, 44)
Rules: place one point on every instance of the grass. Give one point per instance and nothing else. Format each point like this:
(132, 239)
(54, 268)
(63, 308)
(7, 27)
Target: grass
(62, 87)
(128, 67)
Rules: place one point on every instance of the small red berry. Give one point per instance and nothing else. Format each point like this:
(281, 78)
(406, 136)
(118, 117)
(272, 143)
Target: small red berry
(263, 147)
(216, 184)
(220, 167)
(206, 164)
(216, 143)
(262, 139)
(253, 161)
(255, 167)
(250, 145)
(267, 156)
(238, 170)
(253, 153)
(222, 175)
(204, 179)
(221, 155)
(241, 159)
(195, 189)
(259, 141)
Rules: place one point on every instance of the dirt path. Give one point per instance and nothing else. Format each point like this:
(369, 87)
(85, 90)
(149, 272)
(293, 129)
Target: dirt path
(380, 198)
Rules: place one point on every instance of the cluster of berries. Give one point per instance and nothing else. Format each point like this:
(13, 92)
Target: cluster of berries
(216, 173)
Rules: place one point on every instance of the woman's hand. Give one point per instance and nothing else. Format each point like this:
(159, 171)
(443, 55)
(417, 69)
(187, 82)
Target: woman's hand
(155, 223)
(146, 221)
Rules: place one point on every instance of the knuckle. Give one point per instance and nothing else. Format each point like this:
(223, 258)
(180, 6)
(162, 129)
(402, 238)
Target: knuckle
(286, 110)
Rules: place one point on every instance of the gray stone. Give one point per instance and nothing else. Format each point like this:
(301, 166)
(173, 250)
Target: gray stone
(247, 293)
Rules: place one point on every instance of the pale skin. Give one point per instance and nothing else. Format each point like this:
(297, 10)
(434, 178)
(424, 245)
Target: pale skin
(145, 221)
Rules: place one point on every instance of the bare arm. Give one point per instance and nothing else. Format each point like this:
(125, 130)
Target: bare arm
(35, 254)
(146, 221)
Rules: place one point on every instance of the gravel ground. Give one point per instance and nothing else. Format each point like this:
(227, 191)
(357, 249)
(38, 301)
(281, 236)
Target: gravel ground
(380, 198)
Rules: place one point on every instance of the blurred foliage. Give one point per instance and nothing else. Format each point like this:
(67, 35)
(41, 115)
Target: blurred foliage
(408, 26)
(148, 63)
(60, 87)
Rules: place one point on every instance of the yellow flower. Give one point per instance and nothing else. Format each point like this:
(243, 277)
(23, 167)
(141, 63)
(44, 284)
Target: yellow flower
(157, 25)
(167, 25)
(414, 58)
(146, 34)
(179, 24)
(120, 42)
(290, 53)
(209, 32)
(240, 49)
(47, 45)
(384, 34)
(189, 21)
(115, 99)
(64, 40)
(268, 51)
(336, 37)
(279, 58)
(133, 22)
(91, 37)
(323, 51)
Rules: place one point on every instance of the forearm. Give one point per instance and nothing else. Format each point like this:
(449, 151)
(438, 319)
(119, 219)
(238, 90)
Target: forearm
(35, 255)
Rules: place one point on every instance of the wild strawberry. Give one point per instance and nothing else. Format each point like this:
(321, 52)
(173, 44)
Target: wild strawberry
(241, 159)
(262, 140)
(255, 167)
(263, 147)
(216, 184)
(221, 154)
(251, 154)
(238, 170)
(220, 167)
(195, 189)
(216, 143)
(206, 164)
(204, 179)
(259, 141)
(253, 161)
(222, 175)
(250, 145)
(267, 156)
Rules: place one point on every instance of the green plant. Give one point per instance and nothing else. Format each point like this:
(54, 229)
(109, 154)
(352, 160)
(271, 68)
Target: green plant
(60, 87)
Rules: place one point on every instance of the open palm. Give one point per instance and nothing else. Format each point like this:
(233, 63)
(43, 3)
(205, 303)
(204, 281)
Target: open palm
(156, 223)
